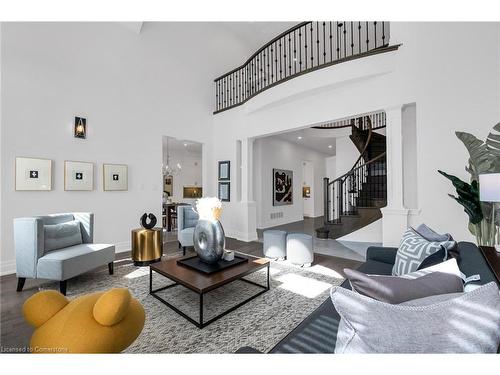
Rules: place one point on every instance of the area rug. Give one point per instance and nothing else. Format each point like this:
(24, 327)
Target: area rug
(261, 323)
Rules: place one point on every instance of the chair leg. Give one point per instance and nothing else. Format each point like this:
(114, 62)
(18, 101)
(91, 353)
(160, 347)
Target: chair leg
(62, 286)
(180, 245)
(111, 268)
(20, 283)
(183, 250)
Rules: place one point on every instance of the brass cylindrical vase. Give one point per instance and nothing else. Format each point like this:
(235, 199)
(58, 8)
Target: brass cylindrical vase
(147, 246)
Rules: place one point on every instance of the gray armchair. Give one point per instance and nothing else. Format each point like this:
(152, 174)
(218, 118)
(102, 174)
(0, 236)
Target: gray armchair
(58, 247)
(187, 218)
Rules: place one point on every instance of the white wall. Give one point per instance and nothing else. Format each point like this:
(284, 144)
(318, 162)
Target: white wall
(272, 153)
(132, 88)
(331, 171)
(346, 155)
(440, 66)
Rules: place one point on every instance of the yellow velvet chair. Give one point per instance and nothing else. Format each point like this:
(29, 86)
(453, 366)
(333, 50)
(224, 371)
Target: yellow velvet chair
(104, 322)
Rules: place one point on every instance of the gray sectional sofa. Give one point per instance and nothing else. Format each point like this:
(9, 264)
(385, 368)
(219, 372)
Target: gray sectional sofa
(318, 332)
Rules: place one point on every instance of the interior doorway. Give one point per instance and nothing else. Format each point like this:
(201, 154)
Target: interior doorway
(181, 180)
(308, 188)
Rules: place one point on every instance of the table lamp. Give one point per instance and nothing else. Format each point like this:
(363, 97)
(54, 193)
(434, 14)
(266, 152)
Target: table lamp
(489, 191)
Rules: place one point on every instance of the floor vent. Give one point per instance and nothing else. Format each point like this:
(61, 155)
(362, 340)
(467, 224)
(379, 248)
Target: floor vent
(276, 215)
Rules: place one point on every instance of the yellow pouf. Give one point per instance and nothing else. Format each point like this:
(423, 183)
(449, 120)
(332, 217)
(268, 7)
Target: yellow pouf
(104, 322)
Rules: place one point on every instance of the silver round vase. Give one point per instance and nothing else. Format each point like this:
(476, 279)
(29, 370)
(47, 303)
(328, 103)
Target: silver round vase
(209, 241)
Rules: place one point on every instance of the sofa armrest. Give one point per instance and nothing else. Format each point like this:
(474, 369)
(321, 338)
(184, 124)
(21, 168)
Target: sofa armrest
(86, 220)
(29, 245)
(382, 254)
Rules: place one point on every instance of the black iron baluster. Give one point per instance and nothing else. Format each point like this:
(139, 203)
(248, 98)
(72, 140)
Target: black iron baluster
(300, 49)
(359, 37)
(317, 44)
(289, 54)
(312, 46)
(294, 52)
(305, 45)
(345, 41)
(338, 40)
(276, 61)
(331, 40)
(324, 43)
(217, 89)
(367, 39)
(352, 36)
(268, 75)
(383, 33)
(375, 32)
(280, 61)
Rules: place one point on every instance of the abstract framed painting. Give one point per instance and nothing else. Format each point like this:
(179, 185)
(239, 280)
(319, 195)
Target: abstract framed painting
(115, 177)
(78, 176)
(33, 174)
(282, 187)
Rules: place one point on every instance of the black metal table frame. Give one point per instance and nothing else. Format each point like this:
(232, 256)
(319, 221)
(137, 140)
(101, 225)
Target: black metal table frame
(200, 323)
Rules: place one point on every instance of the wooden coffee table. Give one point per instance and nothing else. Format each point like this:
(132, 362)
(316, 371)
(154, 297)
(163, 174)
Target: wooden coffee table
(202, 283)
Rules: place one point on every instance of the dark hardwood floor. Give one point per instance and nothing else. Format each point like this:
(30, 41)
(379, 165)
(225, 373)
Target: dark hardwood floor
(15, 332)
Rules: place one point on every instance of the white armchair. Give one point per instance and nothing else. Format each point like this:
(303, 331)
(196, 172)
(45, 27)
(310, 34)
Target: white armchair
(58, 247)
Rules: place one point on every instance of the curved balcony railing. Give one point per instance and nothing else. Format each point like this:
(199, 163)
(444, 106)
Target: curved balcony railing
(303, 48)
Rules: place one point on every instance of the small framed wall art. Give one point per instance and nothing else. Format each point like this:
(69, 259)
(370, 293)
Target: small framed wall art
(78, 175)
(33, 174)
(225, 191)
(115, 177)
(225, 170)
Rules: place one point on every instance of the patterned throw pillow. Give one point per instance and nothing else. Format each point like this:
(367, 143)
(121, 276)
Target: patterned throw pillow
(413, 250)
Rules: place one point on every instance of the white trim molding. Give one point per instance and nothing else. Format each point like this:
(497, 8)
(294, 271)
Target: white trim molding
(8, 267)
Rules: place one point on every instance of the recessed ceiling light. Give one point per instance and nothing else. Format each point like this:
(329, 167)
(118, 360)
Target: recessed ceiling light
(330, 146)
(299, 137)
(185, 144)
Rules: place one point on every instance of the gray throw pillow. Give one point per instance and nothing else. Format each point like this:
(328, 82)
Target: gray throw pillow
(439, 279)
(430, 235)
(450, 323)
(62, 235)
(414, 249)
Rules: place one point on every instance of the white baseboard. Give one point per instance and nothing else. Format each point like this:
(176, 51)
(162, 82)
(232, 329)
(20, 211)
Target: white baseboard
(8, 267)
(245, 237)
(122, 247)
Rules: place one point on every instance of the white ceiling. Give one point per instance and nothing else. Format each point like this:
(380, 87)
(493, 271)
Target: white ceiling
(181, 145)
(315, 139)
(255, 34)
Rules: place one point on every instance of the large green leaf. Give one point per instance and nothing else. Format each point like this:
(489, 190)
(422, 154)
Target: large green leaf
(493, 146)
(481, 159)
(468, 197)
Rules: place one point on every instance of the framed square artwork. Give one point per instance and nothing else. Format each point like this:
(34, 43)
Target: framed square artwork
(33, 174)
(282, 187)
(78, 175)
(225, 170)
(225, 191)
(115, 177)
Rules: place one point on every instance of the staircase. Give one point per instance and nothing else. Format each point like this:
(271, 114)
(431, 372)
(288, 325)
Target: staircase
(354, 199)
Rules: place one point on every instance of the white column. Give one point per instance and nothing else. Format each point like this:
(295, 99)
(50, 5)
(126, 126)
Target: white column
(247, 170)
(394, 215)
(248, 211)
